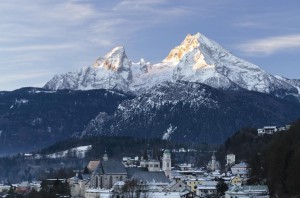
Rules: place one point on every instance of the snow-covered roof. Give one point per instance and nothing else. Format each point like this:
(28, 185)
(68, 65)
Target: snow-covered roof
(241, 165)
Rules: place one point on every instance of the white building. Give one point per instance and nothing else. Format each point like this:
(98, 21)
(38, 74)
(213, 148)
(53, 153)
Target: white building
(230, 159)
(213, 164)
(166, 163)
(96, 193)
(241, 169)
(4, 188)
(267, 130)
(151, 165)
(78, 184)
(207, 188)
(260, 191)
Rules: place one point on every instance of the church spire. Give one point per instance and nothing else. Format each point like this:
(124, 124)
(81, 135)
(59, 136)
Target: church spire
(105, 156)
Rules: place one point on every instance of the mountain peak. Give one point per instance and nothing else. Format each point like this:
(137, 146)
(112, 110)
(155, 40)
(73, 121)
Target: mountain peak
(114, 60)
(189, 43)
(196, 59)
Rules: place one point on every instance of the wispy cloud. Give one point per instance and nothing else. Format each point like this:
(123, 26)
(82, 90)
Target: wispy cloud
(23, 76)
(37, 47)
(23, 59)
(270, 45)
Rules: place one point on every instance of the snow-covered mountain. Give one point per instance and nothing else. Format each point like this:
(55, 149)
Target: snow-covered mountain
(110, 72)
(199, 59)
(196, 59)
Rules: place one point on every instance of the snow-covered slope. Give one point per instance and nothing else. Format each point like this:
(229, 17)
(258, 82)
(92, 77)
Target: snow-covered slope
(294, 82)
(197, 59)
(73, 152)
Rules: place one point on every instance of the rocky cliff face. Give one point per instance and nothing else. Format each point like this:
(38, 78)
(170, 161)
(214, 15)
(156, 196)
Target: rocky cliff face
(192, 112)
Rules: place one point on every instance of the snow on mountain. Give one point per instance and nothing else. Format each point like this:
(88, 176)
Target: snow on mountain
(294, 82)
(197, 59)
(143, 107)
(168, 133)
(74, 152)
(110, 72)
(192, 112)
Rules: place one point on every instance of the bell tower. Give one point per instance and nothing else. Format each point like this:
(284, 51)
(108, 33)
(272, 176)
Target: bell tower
(166, 163)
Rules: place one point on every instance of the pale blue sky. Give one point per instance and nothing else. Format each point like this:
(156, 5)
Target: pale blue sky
(41, 38)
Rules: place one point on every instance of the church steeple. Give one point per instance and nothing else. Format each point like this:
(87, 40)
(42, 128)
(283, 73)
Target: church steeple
(213, 157)
(105, 156)
(166, 163)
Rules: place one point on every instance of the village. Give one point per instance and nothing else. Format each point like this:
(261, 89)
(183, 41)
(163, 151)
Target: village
(140, 177)
(147, 176)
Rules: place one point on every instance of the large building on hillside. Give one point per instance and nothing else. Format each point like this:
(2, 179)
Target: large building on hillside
(109, 172)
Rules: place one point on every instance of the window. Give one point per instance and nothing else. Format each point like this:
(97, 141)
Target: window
(110, 181)
(97, 182)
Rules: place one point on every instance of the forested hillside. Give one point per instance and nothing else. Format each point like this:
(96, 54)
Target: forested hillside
(274, 159)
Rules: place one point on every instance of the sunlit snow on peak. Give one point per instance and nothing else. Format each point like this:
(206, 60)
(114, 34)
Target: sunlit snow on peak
(114, 60)
(196, 59)
(190, 43)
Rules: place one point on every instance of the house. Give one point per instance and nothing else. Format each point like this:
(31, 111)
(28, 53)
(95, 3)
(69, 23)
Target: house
(236, 181)
(267, 130)
(188, 195)
(151, 164)
(148, 180)
(207, 188)
(78, 184)
(272, 129)
(185, 166)
(96, 193)
(177, 186)
(4, 188)
(193, 183)
(166, 195)
(260, 191)
(242, 169)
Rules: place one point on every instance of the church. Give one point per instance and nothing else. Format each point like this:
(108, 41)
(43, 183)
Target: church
(213, 164)
(109, 172)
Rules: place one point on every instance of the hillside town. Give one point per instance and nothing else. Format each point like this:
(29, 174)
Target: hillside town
(144, 176)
